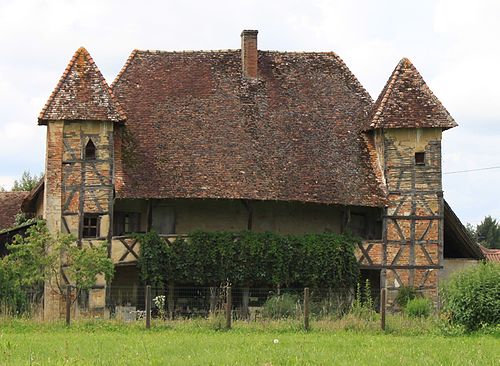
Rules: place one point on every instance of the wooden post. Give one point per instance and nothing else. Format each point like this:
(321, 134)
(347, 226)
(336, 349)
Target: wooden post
(68, 305)
(229, 307)
(383, 300)
(148, 306)
(306, 308)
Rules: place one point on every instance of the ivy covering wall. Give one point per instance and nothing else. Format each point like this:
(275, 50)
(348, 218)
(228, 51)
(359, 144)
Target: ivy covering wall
(250, 259)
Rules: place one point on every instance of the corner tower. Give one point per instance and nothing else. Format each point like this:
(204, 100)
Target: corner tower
(80, 116)
(407, 122)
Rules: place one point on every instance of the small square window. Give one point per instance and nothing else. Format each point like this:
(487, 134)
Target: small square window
(420, 158)
(90, 225)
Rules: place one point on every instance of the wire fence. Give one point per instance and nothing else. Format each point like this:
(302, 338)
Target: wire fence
(133, 303)
(246, 303)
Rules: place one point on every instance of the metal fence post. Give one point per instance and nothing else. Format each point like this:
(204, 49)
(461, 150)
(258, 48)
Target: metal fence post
(148, 306)
(383, 301)
(306, 308)
(68, 305)
(229, 307)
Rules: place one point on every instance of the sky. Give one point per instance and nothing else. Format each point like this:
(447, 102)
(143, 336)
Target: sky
(453, 43)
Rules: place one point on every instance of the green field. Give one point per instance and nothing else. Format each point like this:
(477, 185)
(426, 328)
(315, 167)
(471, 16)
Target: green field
(193, 343)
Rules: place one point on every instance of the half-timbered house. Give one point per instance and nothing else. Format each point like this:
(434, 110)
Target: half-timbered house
(288, 142)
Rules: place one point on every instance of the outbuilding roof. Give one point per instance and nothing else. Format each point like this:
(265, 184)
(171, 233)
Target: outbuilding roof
(492, 255)
(10, 206)
(197, 128)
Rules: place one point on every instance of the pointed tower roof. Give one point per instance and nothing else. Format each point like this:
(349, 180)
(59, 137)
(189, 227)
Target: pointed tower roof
(407, 102)
(81, 94)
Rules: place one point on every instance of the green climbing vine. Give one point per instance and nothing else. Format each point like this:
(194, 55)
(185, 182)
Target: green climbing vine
(250, 259)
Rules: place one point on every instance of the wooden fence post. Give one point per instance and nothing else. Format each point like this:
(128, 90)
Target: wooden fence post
(229, 307)
(383, 301)
(68, 304)
(148, 306)
(306, 308)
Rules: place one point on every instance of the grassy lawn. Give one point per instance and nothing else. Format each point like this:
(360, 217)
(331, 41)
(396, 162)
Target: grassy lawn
(193, 343)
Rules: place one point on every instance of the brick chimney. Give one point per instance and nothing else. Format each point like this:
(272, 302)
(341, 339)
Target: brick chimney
(249, 55)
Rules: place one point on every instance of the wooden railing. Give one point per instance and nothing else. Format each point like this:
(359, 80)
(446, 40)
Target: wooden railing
(125, 250)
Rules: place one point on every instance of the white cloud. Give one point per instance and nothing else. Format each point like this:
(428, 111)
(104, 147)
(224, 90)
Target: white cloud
(454, 44)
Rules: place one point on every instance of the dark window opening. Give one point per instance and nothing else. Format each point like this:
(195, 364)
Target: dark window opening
(90, 225)
(126, 223)
(90, 151)
(420, 158)
(163, 220)
(358, 225)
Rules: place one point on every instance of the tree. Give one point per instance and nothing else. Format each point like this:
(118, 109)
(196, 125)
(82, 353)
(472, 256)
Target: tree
(27, 181)
(488, 232)
(471, 229)
(39, 258)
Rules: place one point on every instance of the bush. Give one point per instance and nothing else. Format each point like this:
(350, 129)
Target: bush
(281, 306)
(472, 297)
(405, 294)
(418, 308)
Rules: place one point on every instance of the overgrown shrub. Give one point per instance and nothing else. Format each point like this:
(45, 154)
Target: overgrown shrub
(418, 308)
(153, 259)
(281, 306)
(13, 299)
(472, 297)
(405, 294)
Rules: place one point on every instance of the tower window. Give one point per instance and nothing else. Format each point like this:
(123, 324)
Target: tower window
(90, 151)
(420, 158)
(90, 225)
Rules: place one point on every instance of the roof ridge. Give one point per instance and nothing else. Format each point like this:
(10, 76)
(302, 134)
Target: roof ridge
(345, 68)
(186, 51)
(387, 91)
(124, 68)
(60, 83)
(105, 85)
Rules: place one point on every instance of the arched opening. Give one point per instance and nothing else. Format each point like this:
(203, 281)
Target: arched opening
(90, 150)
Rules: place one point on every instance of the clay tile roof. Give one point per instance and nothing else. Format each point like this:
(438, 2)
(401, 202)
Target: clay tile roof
(10, 205)
(81, 94)
(197, 129)
(492, 255)
(407, 102)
